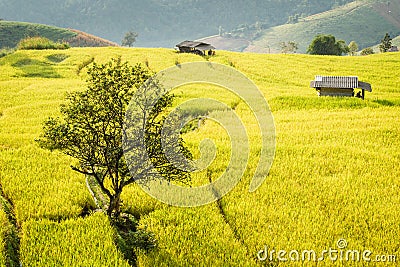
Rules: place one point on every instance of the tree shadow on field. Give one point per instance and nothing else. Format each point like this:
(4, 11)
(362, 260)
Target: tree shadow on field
(35, 68)
(57, 58)
(129, 237)
(386, 103)
(10, 233)
(314, 102)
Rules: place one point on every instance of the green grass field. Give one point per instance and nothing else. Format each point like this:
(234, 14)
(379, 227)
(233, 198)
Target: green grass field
(335, 174)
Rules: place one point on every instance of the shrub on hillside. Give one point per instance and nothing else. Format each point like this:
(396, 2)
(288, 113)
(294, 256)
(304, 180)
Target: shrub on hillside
(367, 51)
(6, 51)
(39, 43)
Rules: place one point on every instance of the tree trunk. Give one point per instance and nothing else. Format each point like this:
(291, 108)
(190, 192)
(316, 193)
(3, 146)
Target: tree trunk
(114, 209)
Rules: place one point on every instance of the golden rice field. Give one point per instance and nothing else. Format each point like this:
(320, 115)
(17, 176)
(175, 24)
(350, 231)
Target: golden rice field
(335, 174)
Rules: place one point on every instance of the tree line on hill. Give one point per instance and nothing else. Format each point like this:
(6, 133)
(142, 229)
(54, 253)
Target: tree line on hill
(326, 44)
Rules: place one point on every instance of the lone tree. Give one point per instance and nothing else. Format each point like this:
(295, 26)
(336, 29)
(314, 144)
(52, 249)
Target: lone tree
(386, 43)
(129, 38)
(289, 47)
(327, 45)
(353, 48)
(91, 130)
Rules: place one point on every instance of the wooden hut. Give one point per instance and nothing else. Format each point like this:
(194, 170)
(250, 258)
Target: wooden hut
(339, 86)
(198, 48)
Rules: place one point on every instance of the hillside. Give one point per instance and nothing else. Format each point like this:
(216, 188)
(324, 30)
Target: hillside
(395, 42)
(365, 22)
(226, 43)
(159, 22)
(12, 32)
(335, 173)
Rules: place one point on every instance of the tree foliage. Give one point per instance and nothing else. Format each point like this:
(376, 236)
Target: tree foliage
(386, 43)
(289, 47)
(341, 48)
(353, 48)
(91, 130)
(367, 51)
(327, 45)
(129, 38)
(40, 43)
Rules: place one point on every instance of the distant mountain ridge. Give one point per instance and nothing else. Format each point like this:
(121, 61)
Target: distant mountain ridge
(256, 26)
(12, 32)
(365, 22)
(160, 22)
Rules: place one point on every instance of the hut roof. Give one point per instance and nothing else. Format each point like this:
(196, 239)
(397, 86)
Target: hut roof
(197, 45)
(342, 82)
